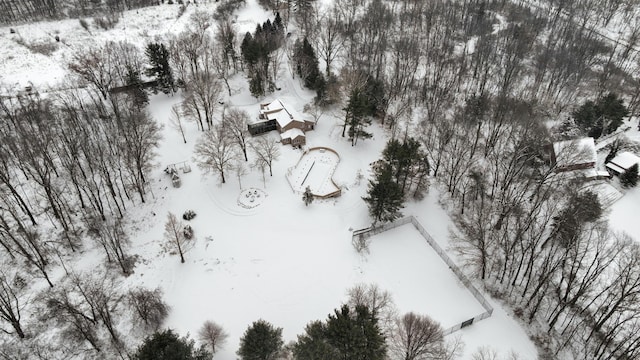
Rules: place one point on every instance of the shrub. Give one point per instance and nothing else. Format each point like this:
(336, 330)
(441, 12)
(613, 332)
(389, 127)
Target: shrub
(189, 214)
(187, 232)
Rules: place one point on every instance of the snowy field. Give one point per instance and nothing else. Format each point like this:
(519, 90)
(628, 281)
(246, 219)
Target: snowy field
(402, 262)
(315, 170)
(290, 264)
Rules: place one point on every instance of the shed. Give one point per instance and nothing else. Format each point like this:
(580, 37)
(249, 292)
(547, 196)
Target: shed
(622, 162)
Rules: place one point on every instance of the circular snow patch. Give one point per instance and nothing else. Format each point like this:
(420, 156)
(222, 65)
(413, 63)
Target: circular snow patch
(252, 197)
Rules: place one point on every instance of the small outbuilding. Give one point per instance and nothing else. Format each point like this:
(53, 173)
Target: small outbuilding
(622, 162)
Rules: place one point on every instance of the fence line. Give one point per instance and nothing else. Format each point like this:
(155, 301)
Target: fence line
(373, 230)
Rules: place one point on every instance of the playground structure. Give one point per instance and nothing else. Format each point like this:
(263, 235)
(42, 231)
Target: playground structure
(315, 170)
(172, 170)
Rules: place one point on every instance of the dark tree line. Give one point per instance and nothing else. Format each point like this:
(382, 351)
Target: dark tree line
(259, 52)
(33, 10)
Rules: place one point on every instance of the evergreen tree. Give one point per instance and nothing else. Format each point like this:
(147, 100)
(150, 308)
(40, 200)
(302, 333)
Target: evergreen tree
(384, 197)
(158, 56)
(256, 50)
(630, 177)
(374, 93)
(167, 345)
(140, 97)
(307, 64)
(602, 117)
(313, 344)
(357, 117)
(307, 197)
(355, 335)
(409, 164)
(261, 341)
(581, 208)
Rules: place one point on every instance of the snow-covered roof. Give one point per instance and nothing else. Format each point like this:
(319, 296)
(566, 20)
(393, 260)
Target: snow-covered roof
(575, 152)
(593, 173)
(277, 111)
(292, 134)
(624, 160)
(615, 168)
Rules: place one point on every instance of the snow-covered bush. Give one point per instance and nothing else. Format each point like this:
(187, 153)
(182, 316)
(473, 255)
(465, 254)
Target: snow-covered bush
(188, 232)
(189, 214)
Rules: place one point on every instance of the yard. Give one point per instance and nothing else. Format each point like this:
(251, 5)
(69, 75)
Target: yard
(272, 258)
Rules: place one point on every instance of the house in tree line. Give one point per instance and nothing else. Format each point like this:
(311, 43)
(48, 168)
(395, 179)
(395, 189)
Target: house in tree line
(275, 116)
(576, 154)
(579, 156)
(622, 162)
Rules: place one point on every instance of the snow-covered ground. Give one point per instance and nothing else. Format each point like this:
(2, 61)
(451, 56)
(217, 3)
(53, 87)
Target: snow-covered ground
(290, 264)
(278, 260)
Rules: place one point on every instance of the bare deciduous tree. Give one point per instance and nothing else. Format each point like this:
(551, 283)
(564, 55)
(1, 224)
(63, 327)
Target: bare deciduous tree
(113, 239)
(84, 303)
(418, 337)
(267, 151)
(201, 98)
(175, 120)
(213, 335)
(11, 303)
(235, 126)
(329, 40)
(215, 152)
(240, 169)
(149, 308)
(378, 301)
(174, 235)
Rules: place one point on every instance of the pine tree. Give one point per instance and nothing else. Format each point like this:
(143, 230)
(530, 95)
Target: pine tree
(313, 344)
(602, 117)
(167, 345)
(307, 197)
(158, 56)
(356, 117)
(355, 335)
(140, 97)
(409, 164)
(261, 341)
(384, 197)
(630, 177)
(307, 64)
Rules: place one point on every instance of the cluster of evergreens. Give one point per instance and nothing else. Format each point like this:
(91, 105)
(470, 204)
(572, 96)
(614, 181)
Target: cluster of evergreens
(257, 49)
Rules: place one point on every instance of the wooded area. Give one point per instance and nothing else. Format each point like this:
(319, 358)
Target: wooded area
(464, 88)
